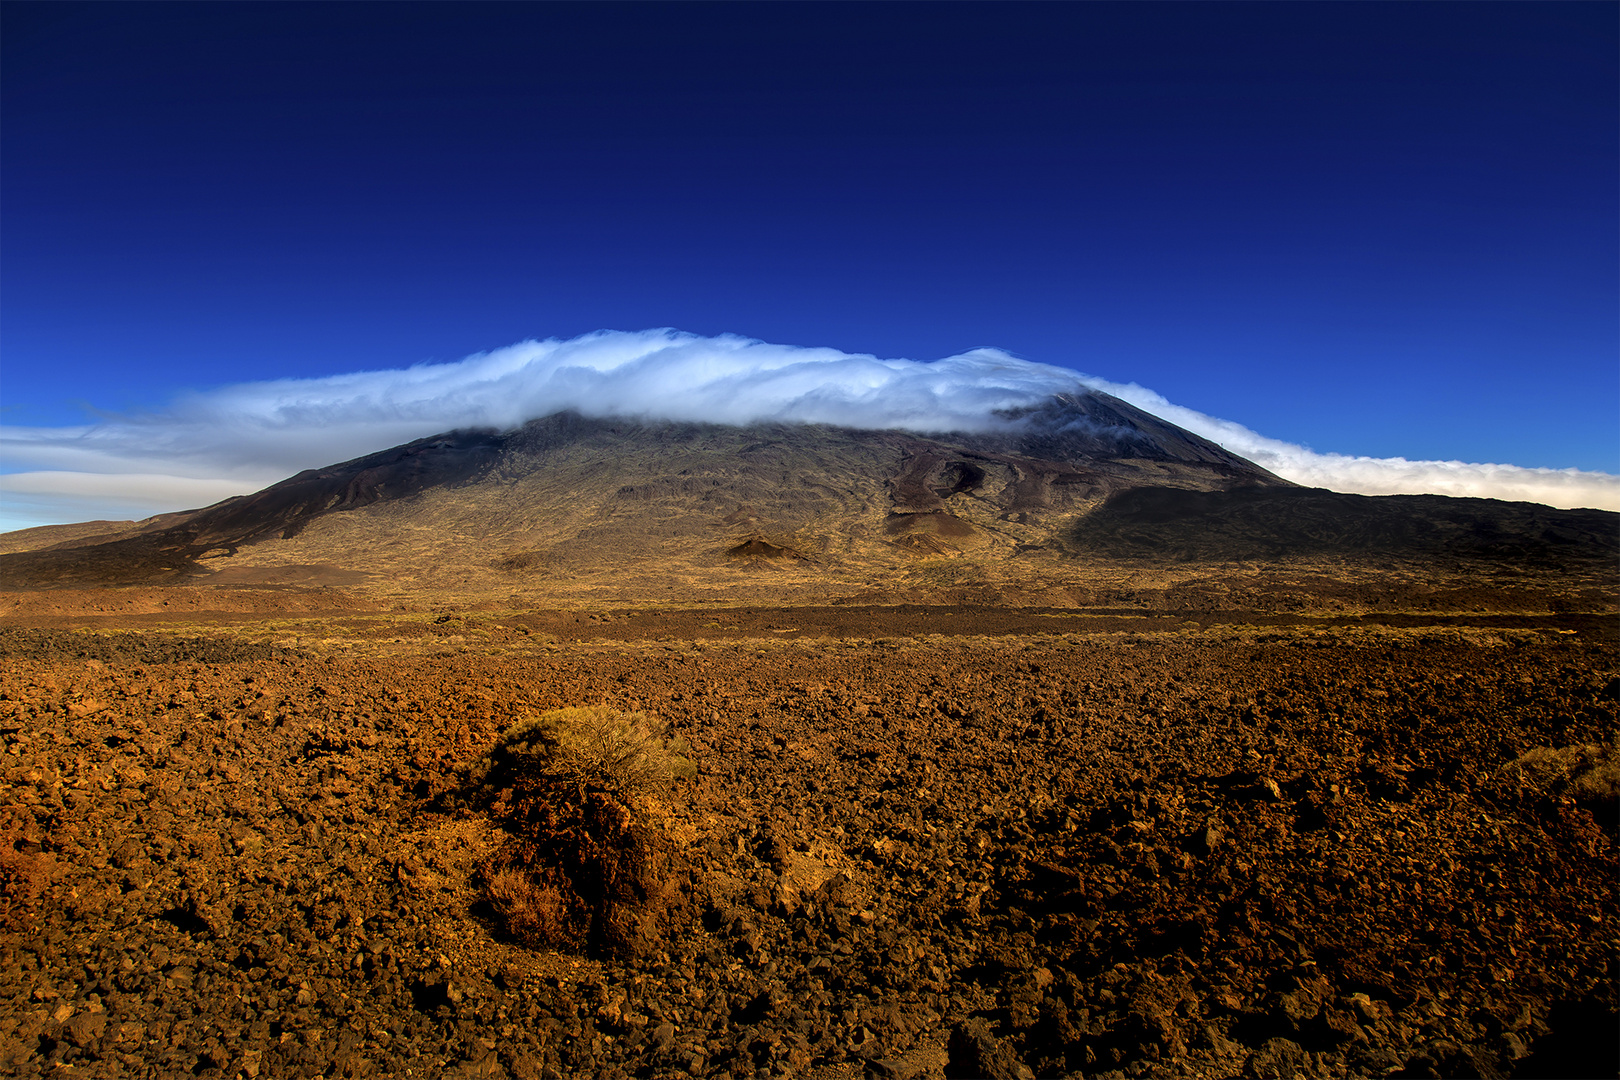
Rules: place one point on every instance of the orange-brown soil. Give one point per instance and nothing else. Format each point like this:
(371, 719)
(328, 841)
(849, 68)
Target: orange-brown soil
(1200, 838)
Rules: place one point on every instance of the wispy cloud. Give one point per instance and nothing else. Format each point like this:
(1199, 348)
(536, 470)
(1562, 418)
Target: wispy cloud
(239, 438)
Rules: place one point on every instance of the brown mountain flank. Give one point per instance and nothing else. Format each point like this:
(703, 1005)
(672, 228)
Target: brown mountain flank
(569, 494)
(574, 506)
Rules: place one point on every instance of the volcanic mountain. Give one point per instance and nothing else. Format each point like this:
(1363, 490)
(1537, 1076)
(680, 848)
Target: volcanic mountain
(672, 508)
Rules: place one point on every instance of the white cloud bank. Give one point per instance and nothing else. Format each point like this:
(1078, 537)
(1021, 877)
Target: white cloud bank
(240, 438)
(1565, 488)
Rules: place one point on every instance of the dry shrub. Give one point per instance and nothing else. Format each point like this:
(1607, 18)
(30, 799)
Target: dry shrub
(535, 912)
(596, 746)
(1584, 772)
(24, 874)
(1588, 774)
(584, 866)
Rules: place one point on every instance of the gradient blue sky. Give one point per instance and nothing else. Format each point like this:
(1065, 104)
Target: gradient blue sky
(1382, 229)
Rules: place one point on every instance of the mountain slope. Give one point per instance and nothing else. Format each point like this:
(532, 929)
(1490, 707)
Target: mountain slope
(689, 509)
(1263, 523)
(565, 489)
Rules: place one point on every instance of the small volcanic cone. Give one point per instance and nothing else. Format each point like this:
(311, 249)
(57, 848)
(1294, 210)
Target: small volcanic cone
(936, 523)
(755, 546)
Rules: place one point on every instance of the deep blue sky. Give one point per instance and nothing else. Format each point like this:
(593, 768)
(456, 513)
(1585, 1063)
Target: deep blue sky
(1386, 229)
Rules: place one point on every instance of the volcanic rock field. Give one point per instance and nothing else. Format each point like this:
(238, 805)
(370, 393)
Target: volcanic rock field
(612, 748)
(920, 842)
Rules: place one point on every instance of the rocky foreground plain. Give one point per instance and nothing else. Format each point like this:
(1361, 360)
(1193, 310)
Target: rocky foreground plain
(1199, 848)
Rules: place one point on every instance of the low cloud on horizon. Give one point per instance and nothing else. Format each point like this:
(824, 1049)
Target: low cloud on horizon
(237, 439)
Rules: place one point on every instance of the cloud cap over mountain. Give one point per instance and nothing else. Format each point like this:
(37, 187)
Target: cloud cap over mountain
(242, 437)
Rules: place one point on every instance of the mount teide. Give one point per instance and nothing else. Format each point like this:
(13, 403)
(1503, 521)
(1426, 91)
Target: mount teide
(674, 510)
(1082, 746)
